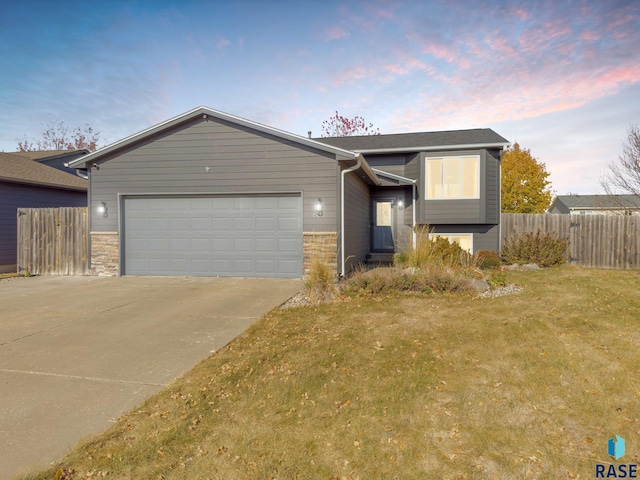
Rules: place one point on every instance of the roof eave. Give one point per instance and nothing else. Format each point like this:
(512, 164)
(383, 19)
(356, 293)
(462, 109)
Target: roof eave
(205, 111)
(43, 184)
(470, 146)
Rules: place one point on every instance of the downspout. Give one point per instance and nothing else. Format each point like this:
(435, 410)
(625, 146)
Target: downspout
(344, 172)
(413, 222)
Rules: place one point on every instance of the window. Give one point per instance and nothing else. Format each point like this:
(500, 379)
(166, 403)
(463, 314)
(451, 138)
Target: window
(465, 240)
(453, 177)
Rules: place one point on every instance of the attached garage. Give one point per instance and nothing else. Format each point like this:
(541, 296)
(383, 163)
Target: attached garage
(212, 235)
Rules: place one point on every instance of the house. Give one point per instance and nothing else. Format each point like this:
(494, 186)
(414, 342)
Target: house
(596, 205)
(212, 194)
(26, 183)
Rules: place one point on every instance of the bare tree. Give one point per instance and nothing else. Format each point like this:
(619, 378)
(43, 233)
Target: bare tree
(623, 176)
(56, 136)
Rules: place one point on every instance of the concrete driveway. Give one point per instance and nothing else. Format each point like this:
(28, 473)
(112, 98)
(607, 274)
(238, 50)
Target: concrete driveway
(77, 352)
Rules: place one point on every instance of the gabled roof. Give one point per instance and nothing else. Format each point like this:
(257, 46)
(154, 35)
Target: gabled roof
(420, 141)
(16, 168)
(598, 202)
(206, 111)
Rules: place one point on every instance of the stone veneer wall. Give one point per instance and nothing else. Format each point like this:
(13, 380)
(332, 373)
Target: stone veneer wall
(324, 244)
(104, 254)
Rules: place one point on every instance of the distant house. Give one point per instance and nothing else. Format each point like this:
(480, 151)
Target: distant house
(207, 193)
(596, 205)
(27, 183)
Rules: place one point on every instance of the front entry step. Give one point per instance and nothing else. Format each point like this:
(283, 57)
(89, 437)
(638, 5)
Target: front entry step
(379, 259)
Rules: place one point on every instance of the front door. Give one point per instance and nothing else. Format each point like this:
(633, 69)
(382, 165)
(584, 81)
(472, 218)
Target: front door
(383, 225)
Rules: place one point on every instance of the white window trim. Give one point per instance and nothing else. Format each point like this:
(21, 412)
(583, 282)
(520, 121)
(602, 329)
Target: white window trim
(426, 177)
(449, 235)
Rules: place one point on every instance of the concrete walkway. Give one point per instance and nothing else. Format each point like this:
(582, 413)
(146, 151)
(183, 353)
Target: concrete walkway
(77, 352)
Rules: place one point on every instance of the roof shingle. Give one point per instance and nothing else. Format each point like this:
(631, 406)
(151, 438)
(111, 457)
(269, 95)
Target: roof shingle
(18, 169)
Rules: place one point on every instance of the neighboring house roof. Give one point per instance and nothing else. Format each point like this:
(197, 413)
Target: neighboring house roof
(47, 155)
(15, 168)
(421, 141)
(598, 202)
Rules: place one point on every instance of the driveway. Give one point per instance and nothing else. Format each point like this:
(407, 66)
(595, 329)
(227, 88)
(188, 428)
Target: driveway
(77, 352)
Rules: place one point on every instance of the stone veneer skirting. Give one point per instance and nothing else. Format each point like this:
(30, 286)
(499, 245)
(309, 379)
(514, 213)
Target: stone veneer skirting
(105, 251)
(322, 244)
(104, 254)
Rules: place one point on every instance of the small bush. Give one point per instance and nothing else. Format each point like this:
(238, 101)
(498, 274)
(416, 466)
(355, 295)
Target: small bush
(543, 249)
(320, 281)
(497, 279)
(486, 259)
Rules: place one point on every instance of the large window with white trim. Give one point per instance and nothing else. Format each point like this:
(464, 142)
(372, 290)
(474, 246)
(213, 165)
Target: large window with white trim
(453, 177)
(465, 240)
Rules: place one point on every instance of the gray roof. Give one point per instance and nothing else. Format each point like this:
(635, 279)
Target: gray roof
(420, 141)
(599, 201)
(19, 169)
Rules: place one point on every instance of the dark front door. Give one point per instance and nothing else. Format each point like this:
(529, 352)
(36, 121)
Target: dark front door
(383, 225)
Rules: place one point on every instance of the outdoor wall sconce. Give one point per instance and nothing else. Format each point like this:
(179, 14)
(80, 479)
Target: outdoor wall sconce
(104, 210)
(400, 204)
(319, 208)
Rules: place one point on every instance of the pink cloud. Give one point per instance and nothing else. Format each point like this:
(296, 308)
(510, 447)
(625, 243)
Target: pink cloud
(590, 36)
(349, 75)
(334, 33)
(222, 43)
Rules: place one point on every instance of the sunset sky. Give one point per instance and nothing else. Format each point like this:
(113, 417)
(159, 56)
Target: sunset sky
(561, 78)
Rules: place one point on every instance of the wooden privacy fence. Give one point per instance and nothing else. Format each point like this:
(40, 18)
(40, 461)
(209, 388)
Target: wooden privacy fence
(600, 241)
(53, 241)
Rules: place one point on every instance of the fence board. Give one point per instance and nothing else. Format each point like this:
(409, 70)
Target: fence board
(601, 241)
(53, 241)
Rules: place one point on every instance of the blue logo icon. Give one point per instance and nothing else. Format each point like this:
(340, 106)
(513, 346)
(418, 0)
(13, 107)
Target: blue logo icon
(616, 447)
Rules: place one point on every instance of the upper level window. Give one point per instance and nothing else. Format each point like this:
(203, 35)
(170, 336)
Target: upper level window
(453, 177)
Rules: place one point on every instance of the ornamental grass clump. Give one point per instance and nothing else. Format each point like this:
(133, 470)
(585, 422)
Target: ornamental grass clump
(430, 249)
(320, 281)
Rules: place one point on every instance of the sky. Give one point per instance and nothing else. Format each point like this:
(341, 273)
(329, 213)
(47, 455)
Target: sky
(561, 78)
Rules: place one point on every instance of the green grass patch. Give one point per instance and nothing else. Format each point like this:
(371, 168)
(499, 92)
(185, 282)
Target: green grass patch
(413, 387)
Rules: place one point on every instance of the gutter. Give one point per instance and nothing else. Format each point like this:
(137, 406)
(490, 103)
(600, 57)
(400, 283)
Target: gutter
(472, 146)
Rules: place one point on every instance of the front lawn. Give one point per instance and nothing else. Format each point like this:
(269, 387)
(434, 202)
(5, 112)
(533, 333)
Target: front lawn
(530, 385)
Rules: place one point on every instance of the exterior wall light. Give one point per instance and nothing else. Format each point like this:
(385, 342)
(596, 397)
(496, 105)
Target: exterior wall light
(319, 208)
(104, 210)
(400, 204)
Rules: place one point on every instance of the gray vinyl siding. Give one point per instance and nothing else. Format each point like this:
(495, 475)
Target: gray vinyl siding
(357, 221)
(485, 237)
(240, 160)
(492, 193)
(14, 196)
(394, 164)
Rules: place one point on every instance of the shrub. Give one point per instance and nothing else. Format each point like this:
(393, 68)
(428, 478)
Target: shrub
(394, 281)
(544, 249)
(486, 259)
(320, 281)
(497, 279)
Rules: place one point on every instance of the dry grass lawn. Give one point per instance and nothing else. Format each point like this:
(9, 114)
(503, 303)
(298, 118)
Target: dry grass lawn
(434, 387)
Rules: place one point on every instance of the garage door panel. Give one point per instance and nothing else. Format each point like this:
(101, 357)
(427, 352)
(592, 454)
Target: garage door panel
(213, 236)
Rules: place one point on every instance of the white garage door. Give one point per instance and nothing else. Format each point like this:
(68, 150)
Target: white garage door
(240, 236)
